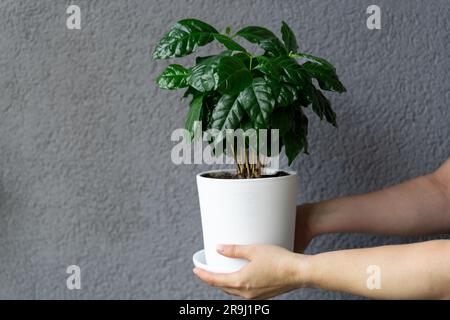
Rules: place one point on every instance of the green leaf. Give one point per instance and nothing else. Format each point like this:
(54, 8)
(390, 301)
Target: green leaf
(274, 85)
(282, 119)
(268, 67)
(330, 115)
(258, 101)
(244, 57)
(194, 114)
(246, 123)
(295, 140)
(214, 59)
(288, 94)
(323, 71)
(289, 38)
(321, 105)
(264, 38)
(327, 78)
(229, 43)
(184, 37)
(233, 75)
(292, 72)
(228, 113)
(209, 103)
(284, 68)
(312, 96)
(174, 77)
(292, 146)
(203, 76)
(316, 60)
(190, 91)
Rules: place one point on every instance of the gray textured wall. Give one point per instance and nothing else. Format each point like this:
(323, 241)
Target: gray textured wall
(85, 170)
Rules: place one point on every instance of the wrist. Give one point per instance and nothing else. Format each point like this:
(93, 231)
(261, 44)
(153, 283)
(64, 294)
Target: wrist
(303, 270)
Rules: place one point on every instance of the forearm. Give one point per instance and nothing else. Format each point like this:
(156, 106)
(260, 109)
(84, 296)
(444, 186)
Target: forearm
(419, 206)
(412, 271)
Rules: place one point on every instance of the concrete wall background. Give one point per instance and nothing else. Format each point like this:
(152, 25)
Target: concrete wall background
(85, 170)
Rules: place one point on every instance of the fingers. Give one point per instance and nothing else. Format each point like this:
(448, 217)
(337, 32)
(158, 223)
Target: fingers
(232, 292)
(235, 251)
(241, 293)
(217, 279)
(228, 283)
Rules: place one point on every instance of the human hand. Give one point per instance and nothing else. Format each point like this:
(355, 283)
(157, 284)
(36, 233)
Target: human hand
(271, 271)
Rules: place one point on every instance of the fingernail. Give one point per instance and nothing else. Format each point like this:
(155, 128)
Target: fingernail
(194, 270)
(220, 248)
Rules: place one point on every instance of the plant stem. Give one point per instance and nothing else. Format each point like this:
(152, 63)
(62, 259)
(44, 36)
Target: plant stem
(238, 167)
(248, 169)
(246, 163)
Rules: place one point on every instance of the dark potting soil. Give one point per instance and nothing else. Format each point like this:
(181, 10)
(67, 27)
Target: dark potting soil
(232, 175)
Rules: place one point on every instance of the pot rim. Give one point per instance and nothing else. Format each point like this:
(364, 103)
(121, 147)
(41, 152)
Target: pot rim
(289, 176)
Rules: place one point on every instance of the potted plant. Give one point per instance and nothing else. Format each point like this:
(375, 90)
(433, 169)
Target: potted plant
(236, 89)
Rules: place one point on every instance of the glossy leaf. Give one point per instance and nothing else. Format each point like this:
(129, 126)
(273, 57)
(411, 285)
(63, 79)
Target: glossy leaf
(292, 72)
(194, 114)
(323, 71)
(191, 91)
(203, 77)
(233, 75)
(228, 113)
(214, 59)
(268, 67)
(281, 68)
(288, 94)
(295, 140)
(174, 77)
(313, 99)
(209, 103)
(282, 119)
(184, 37)
(229, 43)
(321, 105)
(274, 85)
(258, 101)
(327, 78)
(234, 89)
(329, 114)
(264, 38)
(288, 37)
(316, 60)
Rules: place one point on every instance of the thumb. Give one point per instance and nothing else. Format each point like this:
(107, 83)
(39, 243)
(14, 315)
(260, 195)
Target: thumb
(235, 251)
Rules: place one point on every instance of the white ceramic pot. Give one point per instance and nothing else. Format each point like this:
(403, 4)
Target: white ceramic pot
(246, 211)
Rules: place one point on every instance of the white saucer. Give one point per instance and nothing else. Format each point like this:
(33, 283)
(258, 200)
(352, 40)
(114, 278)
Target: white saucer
(200, 262)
